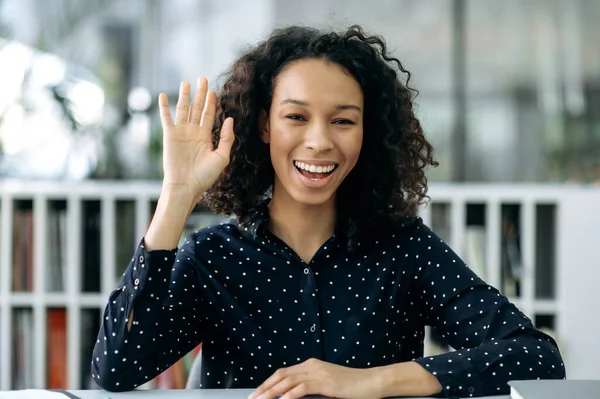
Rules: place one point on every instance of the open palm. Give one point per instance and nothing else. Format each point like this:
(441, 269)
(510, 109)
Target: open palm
(190, 162)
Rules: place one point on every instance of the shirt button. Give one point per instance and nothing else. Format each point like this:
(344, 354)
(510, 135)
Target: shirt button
(471, 390)
(306, 271)
(137, 281)
(141, 258)
(313, 328)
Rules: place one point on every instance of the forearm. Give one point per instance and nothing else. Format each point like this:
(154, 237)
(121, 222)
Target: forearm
(487, 368)
(172, 211)
(117, 349)
(119, 346)
(404, 379)
(156, 285)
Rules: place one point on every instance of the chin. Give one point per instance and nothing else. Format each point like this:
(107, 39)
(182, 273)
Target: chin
(313, 199)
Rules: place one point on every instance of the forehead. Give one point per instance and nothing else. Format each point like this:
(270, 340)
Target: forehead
(317, 81)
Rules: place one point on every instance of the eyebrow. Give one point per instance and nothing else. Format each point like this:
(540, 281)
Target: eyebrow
(305, 104)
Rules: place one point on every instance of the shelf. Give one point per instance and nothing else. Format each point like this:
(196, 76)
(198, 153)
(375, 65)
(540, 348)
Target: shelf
(83, 236)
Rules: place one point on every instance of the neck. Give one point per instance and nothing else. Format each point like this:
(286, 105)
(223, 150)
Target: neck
(303, 227)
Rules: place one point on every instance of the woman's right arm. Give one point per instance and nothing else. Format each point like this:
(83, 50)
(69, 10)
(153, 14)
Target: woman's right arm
(154, 316)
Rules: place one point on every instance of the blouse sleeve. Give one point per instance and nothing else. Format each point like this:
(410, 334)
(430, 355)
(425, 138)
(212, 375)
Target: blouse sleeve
(163, 289)
(494, 341)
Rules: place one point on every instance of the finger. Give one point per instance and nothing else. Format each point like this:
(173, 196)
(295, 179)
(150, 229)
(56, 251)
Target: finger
(301, 390)
(296, 373)
(165, 113)
(210, 107)
(226, 139)
(284, 386)
(275, 378)
(198, 101)
(183, 104)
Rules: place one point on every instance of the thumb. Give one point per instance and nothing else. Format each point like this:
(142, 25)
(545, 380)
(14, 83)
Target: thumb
(226, 139)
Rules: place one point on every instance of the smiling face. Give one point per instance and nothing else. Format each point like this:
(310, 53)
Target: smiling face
(314, 130)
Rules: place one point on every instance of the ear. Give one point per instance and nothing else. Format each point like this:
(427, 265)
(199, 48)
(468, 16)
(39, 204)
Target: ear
(263, 125)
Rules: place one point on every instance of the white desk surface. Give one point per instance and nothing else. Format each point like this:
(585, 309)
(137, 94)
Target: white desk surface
(149, 394)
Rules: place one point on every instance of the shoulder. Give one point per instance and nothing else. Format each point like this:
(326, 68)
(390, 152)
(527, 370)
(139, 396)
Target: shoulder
(402, 240)
(416, 240)
(224, 237)
(411, 231)
(215, 234)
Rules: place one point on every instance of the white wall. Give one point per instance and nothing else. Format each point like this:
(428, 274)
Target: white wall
(579, 285)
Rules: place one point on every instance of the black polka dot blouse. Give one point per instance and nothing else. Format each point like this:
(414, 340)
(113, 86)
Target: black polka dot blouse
(256, 307)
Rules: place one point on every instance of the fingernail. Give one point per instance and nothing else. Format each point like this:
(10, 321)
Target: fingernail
(251, 396)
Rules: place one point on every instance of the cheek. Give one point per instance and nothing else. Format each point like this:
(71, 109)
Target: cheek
(280, 149)
(353, 147)
(283, 142)
(281, 138)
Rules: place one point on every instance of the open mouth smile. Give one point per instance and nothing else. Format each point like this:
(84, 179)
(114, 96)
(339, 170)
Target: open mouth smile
(315, 175)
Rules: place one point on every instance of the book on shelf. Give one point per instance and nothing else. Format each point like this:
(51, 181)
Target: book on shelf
(55, 276)
(56, 377)
(511, 257)
(90, 326)
(125, 235)
(475, 250)
(22, 259)
(176, 376)
(91, 247)
(22, 349)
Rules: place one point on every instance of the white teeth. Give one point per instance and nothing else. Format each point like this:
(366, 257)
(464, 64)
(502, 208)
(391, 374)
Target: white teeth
(314, 168)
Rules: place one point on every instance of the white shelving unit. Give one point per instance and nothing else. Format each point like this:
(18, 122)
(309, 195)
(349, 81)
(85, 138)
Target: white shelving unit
(558, 236)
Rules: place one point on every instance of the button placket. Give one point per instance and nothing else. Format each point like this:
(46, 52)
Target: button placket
(312, 308)
(141, 260)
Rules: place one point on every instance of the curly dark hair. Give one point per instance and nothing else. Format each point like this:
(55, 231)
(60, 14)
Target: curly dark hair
(388, 183)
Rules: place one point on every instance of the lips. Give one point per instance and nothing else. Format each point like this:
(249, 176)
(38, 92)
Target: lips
(315, 179)
(314, 175)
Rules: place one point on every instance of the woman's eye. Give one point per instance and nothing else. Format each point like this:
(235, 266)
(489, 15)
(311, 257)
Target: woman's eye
(296, 117)
(343, 122)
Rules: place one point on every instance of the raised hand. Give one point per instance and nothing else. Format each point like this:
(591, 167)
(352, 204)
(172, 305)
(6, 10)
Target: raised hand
(191, 164)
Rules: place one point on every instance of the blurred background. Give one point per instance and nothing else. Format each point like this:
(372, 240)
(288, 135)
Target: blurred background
(509, 91)
(509, 95)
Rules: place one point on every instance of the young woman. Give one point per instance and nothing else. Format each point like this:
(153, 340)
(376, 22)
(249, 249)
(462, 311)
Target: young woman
(325, 281)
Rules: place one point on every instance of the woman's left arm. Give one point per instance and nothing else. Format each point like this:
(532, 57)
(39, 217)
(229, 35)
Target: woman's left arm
(494, 341)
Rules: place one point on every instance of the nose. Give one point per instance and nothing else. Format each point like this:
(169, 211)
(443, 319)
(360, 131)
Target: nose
(318, 137)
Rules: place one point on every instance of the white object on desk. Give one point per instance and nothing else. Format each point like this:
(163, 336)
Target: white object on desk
(150, 394)
(554, 389)
(31, 393)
